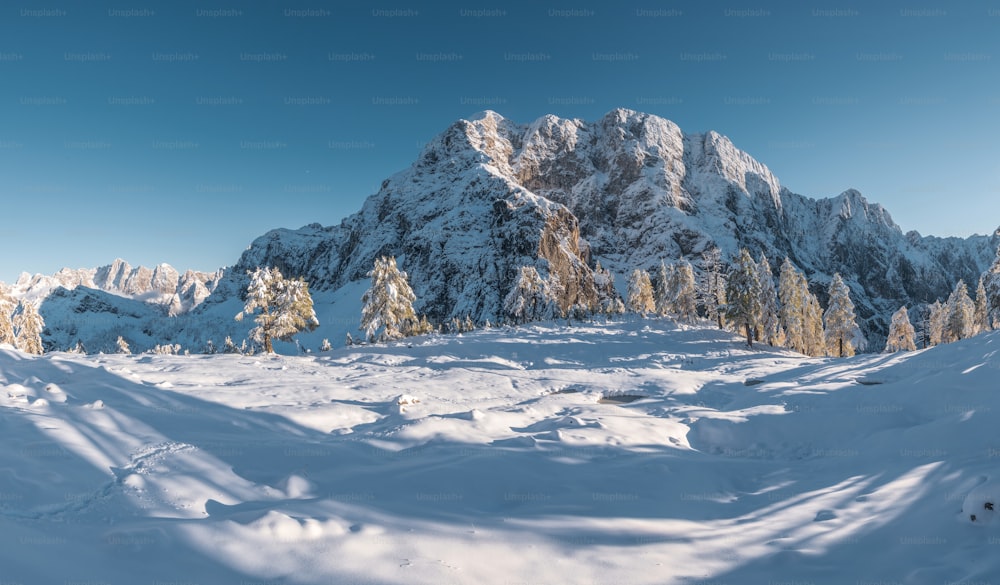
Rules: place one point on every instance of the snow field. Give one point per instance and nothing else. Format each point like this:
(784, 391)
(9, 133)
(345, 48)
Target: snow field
(491, 457)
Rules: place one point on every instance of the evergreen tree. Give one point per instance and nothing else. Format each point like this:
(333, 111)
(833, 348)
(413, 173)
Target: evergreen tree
(325, 345)
(981, 317)
(961, 311)
(713, 287)
(663, 293)
(815, 336)
(839, 320)
(936, 322)
(608, 301)
(124, 349)
(685, 295)
(528, 301)
(348, 340)
(770, 323)
(229, 347)
(424, 326)
(743, 294)
(7, 306)
(991, 284)
(792, 293)
(28, 327)
(902, 337)
(388, 305)
(640, 293)
(285, 306)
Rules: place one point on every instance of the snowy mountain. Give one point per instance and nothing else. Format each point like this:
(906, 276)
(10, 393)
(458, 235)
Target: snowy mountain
(488, 196)
(161, 285)
(625, 452)
(631, 189)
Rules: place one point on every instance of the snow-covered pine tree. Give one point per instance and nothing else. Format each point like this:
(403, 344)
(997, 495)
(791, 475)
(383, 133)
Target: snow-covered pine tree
(743, 294)
(123, 348)
(424, 326)
(28, 327)
(388, 304)
(348, 340)
(982, 315)
(663, 294)
(527, 301)
(285, 305)
(902, 337)
(936, 321)
(713, 286)
(608, 301)
(229, 347)
(7, 306)
(792, 312)
(961, 311)
(991, 282)
(685, 295)
(640, 293)
(815, 337)
(325, 345)
(839, 319)
(770, 323)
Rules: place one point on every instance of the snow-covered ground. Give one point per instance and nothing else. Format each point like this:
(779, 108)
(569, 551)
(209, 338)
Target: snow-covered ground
(504, 457)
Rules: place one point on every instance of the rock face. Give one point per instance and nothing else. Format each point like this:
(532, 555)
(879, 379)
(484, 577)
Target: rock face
(630, 190)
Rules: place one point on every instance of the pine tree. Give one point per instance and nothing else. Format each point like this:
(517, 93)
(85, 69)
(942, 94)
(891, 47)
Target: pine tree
(991, 283)
(961, 311)
(640, 293)
(388, 305)
(286, 308)
(663, 295)
(608, 301)
(348, 340)
(902, 337)
(839, 319)
(814, 334)
(770, 323)
(28, 327)
(325, 345)
(792, 312)
(713, 287)
(424, 326)
(685, 293)
(123, 347)
(936, 322)
(229, 347)
(528, 300)
(981, 318)
(7, 306)
(743, 293)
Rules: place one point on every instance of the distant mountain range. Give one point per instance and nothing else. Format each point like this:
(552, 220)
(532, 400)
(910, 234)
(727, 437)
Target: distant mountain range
(488, 195)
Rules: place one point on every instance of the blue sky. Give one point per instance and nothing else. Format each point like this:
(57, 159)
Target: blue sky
(179, 131)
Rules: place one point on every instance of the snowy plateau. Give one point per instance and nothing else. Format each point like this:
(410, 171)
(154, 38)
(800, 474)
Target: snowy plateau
(635, 451)
(488, 196)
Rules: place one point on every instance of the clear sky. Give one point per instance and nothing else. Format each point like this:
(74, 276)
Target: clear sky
(178, 131)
